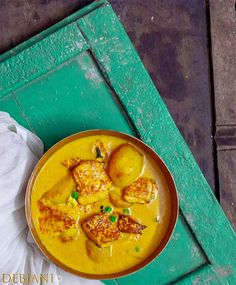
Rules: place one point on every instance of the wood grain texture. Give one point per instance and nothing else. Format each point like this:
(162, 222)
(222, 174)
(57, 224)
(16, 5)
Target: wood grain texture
(43, 56)
(225, 138)
(21, 19)
(227, 170)
(130, 81)
(223, 32)
(75, 97)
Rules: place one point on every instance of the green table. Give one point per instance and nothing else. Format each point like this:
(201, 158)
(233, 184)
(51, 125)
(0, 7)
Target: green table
(83, 73)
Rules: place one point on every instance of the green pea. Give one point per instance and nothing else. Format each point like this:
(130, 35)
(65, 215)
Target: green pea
(137, 248)
(107, 210)
(126, 211)
(75, 195)
(113, 219)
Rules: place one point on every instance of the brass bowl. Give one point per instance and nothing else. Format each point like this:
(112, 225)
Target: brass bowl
(146, 149)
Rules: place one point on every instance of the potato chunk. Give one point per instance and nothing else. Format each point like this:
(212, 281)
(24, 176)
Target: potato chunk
(125, 165)
(115, 196)
(140, 191)
(92, 181)
(100, 229)
(60, 192)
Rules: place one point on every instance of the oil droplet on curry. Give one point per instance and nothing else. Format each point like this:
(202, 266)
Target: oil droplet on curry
(100, 205)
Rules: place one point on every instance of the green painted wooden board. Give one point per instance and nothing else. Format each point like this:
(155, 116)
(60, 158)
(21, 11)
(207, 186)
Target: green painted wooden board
(84, 73)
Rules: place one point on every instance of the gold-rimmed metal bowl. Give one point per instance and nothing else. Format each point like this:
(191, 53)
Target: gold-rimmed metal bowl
(146, 149)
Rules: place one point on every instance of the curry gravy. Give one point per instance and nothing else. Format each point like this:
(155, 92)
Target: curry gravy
(128, 250)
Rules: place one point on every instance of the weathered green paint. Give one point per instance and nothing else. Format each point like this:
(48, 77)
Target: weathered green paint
(110, 282)
(9, 103)
(44, 56)
(68, 92)
(182, 247)
(72, 98)
(73, 17)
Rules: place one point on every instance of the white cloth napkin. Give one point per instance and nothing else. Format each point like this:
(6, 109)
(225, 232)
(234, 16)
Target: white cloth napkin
(19, 152)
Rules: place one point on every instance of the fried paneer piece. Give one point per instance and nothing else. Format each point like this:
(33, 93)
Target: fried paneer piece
(71, 162)
(140, 191)
(100, 229)
(127, 224)
(92, 181)
(54, 220)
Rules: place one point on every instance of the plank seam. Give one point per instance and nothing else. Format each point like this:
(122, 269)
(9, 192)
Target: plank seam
(50, 30)
(212, 98)
(108, 82)
(227, 149)
(116, 97)
(182, 277)
(22, 112)
(226, 125)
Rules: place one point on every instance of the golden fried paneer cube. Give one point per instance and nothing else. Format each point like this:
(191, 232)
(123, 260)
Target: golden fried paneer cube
(140, 191)
(53, 219)
(92, 181)
(127, 224)
(100, 229)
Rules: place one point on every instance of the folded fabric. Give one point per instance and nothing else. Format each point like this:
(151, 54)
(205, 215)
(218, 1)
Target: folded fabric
(19, 152)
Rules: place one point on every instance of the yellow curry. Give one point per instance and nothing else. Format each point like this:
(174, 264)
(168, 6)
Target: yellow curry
(100, 205)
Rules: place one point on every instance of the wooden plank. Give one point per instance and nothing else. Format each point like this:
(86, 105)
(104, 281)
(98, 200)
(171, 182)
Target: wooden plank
(171, 40)
(43, 56)
(72, 98)
(223, 32)
(21, 32)
(225, 138)
(206, 276)
(227, 170)
(138, 95)
(10, 103)
(110, 282)
(20, 20)
(165, 269)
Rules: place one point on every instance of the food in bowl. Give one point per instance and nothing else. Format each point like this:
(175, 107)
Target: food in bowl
(100, 204)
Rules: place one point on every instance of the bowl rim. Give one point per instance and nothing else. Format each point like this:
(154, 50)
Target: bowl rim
(143, 146)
